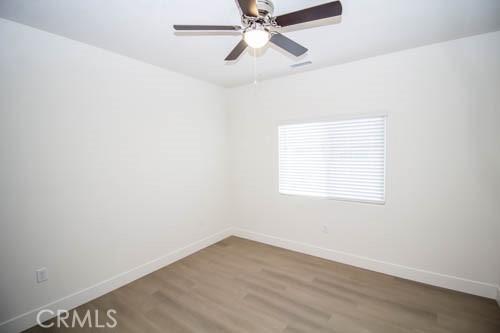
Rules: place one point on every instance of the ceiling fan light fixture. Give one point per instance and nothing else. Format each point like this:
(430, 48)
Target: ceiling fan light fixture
(257, 37)
(260, 26)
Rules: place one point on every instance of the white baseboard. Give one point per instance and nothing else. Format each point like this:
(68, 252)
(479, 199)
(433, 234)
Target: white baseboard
(28, 319)
(436, 279)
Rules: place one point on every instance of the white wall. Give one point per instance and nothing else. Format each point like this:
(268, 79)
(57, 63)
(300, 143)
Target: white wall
(441, 220)
(105, 164)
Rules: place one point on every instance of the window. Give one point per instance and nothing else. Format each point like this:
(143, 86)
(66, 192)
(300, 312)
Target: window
(342, 159)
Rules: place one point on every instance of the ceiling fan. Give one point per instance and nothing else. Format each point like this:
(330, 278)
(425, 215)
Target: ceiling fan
(259, 26)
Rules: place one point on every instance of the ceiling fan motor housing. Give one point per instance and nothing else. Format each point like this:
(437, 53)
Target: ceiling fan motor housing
(265, 7)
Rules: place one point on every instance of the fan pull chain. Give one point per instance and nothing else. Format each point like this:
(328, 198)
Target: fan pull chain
(255, 66)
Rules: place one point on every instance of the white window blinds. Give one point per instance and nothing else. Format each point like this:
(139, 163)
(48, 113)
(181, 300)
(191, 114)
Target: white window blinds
(342, 159)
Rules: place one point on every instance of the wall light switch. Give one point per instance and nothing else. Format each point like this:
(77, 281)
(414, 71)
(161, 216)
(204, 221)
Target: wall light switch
(42, 275)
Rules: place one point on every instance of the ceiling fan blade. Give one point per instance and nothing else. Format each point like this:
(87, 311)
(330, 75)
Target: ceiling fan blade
(207, 27)
(248, 7)
(326, 10)
(288, 45)
(237, 51)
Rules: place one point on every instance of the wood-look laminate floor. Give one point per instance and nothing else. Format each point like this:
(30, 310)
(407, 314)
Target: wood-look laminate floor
(238, 285)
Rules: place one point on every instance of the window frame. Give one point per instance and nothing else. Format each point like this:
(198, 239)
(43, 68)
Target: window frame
(325, 120)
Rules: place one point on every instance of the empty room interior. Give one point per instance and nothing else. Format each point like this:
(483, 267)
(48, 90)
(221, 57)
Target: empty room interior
(250, 166)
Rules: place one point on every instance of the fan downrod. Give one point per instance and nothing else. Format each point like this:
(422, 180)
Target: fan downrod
(265, 8)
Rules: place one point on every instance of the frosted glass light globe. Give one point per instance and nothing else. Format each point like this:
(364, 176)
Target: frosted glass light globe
(256, 38)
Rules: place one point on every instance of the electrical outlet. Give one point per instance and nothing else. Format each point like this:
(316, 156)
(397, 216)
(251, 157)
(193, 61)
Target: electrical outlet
(42, 275)
(324, 229)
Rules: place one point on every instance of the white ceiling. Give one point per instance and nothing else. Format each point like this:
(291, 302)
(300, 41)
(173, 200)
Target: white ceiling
(143, 30)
